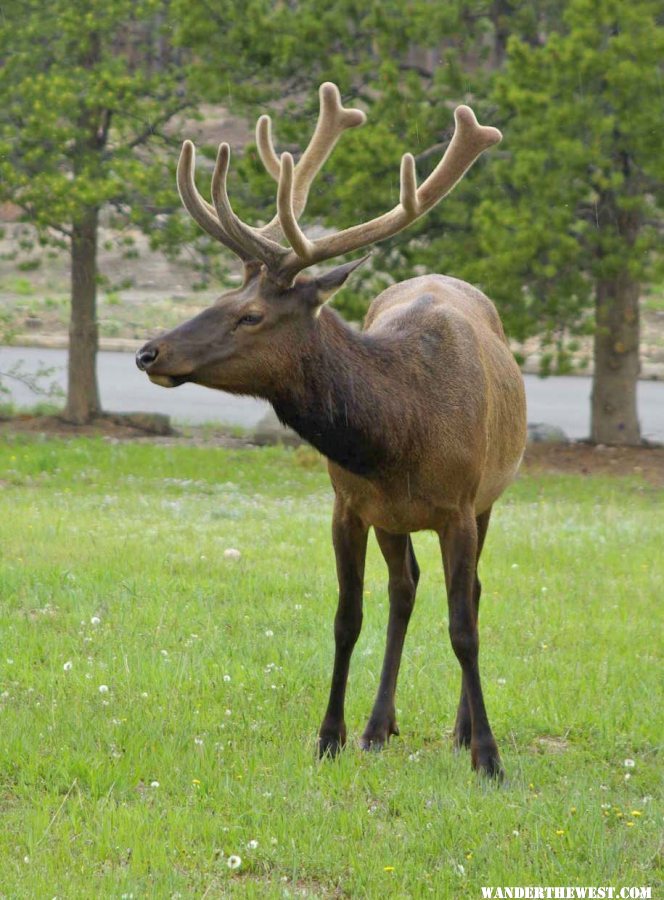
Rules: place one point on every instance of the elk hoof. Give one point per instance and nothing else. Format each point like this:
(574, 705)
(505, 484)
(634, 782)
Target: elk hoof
(461, 736)
(487, 762)
(331, 743)
(377, 734)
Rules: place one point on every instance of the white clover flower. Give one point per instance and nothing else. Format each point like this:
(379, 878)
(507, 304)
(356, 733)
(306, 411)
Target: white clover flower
(103, 689)
(68, 666)
(232, 553)
(269, 633)
(234, 862)
(227, 677)
(95, 620)
(629, 763)
(154, 784)
(252, 845)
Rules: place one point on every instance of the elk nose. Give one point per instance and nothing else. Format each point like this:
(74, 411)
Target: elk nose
(146, 356)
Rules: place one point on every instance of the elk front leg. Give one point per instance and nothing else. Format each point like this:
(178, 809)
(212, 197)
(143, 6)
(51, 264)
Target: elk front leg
(462, 726)
(459, 543)
(349, 535)
(404, 573)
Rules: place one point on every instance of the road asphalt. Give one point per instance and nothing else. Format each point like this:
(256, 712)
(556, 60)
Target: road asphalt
(560, 400)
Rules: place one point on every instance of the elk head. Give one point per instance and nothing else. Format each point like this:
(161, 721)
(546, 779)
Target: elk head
(249, 339)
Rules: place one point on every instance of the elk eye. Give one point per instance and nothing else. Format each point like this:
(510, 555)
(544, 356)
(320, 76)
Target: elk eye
(250, 319)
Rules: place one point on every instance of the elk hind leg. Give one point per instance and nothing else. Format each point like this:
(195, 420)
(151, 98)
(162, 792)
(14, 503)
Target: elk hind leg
(462, 726)
(459, 544)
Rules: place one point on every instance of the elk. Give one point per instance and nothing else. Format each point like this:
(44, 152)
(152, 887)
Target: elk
(421, 414)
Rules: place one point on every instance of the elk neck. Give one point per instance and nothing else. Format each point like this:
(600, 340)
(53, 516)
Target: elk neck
(343, 399)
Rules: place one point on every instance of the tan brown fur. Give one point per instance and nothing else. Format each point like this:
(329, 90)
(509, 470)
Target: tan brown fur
(472, 404)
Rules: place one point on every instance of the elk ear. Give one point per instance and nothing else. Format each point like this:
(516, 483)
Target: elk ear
(328, 284)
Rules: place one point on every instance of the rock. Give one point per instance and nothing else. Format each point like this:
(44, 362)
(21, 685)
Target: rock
(151, 423)
(270, 431)
(541, 433)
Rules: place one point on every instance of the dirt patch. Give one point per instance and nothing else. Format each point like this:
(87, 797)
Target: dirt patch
(549, 744)
(54, 426)
(586, 459)
(114, 426)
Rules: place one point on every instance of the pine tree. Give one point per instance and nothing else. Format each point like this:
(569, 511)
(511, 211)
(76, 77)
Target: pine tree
(86, 86)
(568, 231)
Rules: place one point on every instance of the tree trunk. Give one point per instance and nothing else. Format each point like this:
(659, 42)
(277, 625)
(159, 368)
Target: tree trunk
(82, 391)
(500, 13)
(616, 354)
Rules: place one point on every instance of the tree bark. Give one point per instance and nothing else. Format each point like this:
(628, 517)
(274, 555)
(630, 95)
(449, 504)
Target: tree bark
(82, 391)
(616, 355)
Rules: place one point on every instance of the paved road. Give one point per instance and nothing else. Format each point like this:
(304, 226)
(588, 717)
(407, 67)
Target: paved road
(562, 400)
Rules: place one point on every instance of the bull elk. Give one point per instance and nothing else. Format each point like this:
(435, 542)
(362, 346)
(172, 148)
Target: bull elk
(421, 415)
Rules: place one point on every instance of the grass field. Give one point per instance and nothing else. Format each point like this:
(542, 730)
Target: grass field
(159, 701)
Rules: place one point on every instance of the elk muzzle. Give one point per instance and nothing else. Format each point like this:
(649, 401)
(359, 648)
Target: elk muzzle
(148, 359)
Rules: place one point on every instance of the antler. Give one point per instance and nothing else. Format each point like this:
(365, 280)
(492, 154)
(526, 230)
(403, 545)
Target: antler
(222, 223)
(469, 140)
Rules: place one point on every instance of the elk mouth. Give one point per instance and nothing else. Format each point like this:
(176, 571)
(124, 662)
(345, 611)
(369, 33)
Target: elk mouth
(168, 381)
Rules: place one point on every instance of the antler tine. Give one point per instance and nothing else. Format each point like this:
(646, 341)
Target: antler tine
(265, 146)
(408, 183)
(254, 245)
(198, 208)
(333, 120)
(301, 245)
(469, 140)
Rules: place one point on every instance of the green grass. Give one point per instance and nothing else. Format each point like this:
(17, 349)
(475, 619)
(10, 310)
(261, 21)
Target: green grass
(217, 673)
(22, 286)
